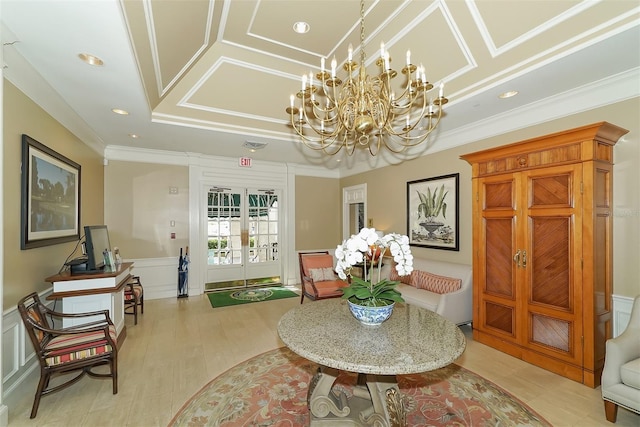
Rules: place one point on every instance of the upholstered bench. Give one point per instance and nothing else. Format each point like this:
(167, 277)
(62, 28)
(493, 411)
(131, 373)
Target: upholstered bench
(443, 287)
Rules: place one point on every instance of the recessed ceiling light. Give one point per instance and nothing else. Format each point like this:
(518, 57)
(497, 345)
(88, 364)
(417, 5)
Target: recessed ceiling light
(119, 111)
(134, 136)
(301, 27)
(508, 94)
(91, 59)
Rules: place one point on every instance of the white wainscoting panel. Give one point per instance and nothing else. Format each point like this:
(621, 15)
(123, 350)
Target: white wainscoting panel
(621, 313)
(18, 357)
(159, 276)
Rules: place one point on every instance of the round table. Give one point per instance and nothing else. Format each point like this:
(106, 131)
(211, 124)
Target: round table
(412, 340)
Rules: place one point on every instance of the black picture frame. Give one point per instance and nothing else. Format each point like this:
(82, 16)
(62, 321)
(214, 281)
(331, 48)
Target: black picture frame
(440, 231)
(50, 202)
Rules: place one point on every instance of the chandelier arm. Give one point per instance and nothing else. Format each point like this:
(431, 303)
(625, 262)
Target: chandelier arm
(324, 134)
(321, 145)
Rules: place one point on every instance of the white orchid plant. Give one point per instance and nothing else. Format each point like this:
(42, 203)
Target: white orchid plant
(362, 249)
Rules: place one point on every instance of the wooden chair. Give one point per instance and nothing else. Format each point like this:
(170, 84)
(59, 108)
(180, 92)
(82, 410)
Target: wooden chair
(134, 298)
(76, 348)
(319, 280)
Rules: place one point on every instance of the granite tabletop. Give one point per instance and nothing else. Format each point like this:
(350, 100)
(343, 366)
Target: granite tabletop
(412, 340)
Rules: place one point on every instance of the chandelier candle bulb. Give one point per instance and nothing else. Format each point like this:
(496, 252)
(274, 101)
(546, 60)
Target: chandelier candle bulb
(441, 90)
(350, 53)
(408, 58)
(333, 67)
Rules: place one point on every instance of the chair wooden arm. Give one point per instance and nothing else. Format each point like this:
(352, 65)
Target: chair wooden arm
(74, 330)
(53, 313)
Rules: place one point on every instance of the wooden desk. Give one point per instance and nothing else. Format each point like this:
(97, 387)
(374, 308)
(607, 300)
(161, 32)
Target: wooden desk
(89, 292)
(412, 340)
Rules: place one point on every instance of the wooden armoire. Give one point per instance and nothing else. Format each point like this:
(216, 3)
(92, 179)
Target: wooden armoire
(542, 249)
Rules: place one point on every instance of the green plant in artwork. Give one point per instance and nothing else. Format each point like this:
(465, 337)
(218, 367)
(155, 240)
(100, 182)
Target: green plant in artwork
(432, 203)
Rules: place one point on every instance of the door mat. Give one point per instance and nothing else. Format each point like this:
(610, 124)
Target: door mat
(244, 296)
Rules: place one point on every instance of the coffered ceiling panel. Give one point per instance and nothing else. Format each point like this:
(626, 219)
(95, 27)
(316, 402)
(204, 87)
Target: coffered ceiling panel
(499, 17)
(230, 88)
(176, 48)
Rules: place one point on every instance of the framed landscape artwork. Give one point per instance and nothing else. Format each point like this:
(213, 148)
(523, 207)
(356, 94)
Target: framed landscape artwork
(433, 212)
(50, 205)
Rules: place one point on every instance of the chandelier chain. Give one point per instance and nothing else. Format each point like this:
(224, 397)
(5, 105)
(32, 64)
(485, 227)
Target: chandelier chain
(363, 54)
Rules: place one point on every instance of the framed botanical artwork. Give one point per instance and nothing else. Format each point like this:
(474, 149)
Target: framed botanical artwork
(50, 205)
(433, 212)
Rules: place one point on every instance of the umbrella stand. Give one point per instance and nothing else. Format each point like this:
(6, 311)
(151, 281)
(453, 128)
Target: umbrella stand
(183, 274)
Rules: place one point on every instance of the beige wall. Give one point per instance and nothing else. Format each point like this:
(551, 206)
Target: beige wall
(139, 208)
(318, 213)
(25, 270)
(387, 187)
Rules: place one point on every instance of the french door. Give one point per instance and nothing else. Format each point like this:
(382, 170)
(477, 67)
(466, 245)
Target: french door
(242, 237)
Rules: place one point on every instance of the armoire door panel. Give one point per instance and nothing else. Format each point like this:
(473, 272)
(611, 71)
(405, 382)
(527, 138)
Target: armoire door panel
(550, 262)
(499, 317)
(551, 191)
(552, 333)
(498, 195)
(499, 279)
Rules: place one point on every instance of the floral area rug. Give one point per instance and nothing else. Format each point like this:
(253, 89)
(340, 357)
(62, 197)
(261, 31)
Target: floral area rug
(271, 390)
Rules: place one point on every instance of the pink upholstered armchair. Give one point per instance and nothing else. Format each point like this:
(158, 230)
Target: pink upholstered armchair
(319, 280)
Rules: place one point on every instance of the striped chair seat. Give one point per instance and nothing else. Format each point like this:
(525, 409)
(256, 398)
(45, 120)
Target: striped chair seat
(135, 295)
(69, 348)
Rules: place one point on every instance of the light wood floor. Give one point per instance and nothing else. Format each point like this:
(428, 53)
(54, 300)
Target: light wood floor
(178, 346)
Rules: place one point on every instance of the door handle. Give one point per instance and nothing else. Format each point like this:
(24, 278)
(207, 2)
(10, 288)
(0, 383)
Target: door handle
(524, 259)
(516, 258)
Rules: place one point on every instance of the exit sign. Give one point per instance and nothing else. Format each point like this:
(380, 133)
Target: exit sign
(245, 162)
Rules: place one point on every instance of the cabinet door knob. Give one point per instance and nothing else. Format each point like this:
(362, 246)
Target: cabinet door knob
(516, 258)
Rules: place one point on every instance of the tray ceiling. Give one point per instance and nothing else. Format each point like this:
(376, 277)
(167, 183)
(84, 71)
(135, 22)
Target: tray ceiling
(204, 76)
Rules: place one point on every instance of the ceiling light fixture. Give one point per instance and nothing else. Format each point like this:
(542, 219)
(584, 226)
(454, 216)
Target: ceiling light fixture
(365, 111)
(301, 27)
(508, 94)
(91, 59)
(119, 111)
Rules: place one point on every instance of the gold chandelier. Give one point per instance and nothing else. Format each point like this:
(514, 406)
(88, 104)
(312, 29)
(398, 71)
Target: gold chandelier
(365, 111)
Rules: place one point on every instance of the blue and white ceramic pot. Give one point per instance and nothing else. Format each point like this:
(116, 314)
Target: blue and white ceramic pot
(371, 315)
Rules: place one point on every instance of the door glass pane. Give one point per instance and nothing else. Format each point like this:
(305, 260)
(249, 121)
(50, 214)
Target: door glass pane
(263, 226)
(223, 228)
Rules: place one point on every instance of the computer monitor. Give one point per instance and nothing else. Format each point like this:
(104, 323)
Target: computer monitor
(96, 242)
